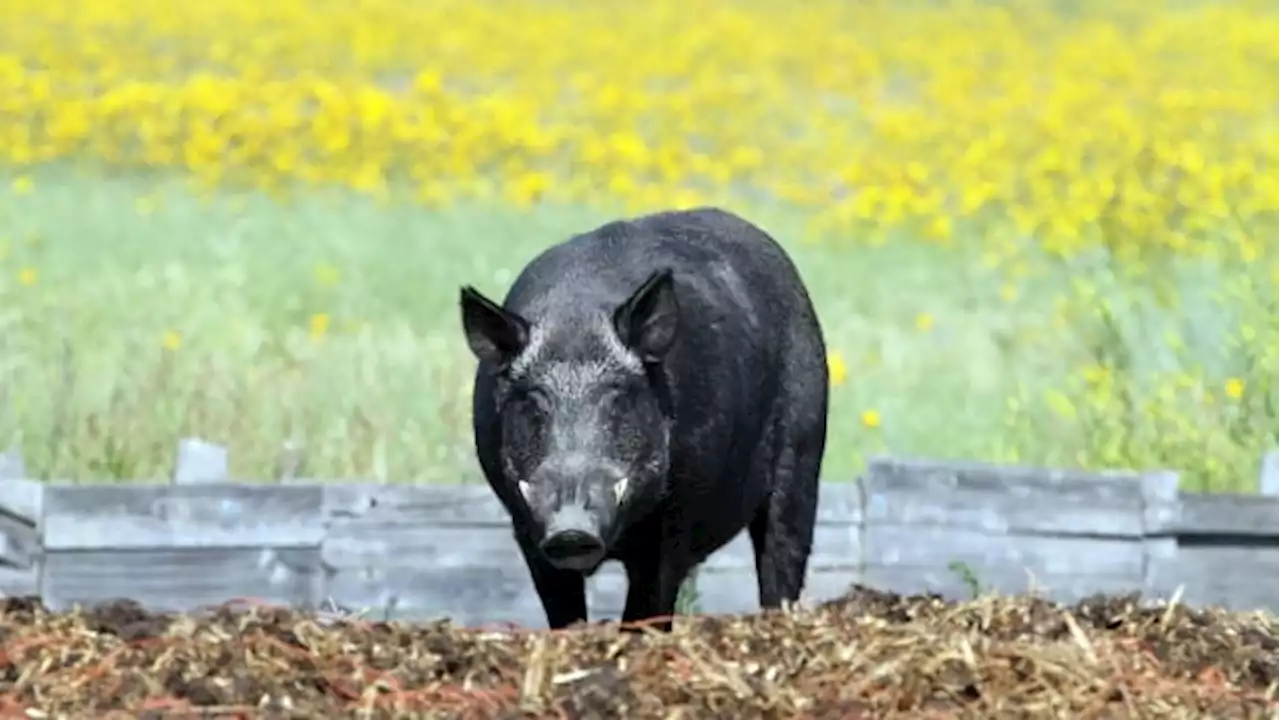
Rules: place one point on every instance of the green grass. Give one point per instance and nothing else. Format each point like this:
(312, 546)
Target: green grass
(90, 393)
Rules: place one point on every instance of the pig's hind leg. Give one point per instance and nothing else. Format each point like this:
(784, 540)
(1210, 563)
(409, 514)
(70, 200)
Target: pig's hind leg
(782, 528)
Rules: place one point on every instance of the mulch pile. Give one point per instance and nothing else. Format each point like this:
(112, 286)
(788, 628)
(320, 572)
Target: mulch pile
(866, 655)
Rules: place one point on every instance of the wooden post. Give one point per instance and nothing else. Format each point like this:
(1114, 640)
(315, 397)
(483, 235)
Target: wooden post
(200, 462)
(291, 463)
(1269, 474)
(21, 508)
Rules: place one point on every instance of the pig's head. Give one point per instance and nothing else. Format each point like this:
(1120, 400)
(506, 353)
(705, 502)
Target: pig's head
(584, 411)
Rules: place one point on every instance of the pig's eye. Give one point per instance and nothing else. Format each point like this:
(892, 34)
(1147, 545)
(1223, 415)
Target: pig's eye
(524, 428)
(531, 400)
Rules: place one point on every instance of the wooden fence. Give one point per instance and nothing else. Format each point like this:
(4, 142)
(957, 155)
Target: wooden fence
(422, 551)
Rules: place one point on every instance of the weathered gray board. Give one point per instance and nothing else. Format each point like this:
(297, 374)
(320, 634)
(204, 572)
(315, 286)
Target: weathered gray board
(182, 546)
(20, 511)
(1225, 551)
(1070, 534)
(416, 552)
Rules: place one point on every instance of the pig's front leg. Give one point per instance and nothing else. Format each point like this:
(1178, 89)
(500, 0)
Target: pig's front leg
(563, 592)
(653, 586)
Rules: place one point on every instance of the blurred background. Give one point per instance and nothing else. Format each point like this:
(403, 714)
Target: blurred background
(1037, 232)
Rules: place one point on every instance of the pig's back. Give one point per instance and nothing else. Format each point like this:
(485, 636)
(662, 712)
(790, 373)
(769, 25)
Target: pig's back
(732, 275)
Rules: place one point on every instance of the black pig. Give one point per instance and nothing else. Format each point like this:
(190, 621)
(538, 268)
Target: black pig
(646, 391)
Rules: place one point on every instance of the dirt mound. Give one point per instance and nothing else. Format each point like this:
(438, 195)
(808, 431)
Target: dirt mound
(866, 655)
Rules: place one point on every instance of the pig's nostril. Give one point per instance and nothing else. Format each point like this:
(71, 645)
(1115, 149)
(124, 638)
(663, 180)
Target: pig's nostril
(572, 545)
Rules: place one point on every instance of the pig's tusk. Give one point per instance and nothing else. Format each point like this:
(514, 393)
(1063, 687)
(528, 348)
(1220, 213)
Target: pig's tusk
(620, 489)
(525, 489)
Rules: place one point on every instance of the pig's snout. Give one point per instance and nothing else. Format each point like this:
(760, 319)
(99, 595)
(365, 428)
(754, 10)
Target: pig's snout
(572, 541)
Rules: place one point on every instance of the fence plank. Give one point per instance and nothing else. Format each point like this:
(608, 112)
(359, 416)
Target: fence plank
(19, 541)
(840, 503)
(1228, 514)
(20, 510)
(1163, 510)
(402, 589)
(403, 503)
(466, 596)
(607, 592)
(737, 591)
(79, 517)
(834, 546)
(19, 582)
(728, 591)
(953, 585)
(836, 549)
(420, 571)
(1229, 577)
(21, 503)
(718, 593)
(1003, 499)
(22, 500)
(823, 584)
(357, 546)
(1161, 501)
(20, 497)
(475, 503)
(938, 547)
(183, 579)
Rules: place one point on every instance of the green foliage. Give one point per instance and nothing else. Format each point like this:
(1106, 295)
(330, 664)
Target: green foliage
(967, 576)
(332, 322)
(687, 600)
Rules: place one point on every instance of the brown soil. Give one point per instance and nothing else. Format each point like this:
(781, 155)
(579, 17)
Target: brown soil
(866, 655)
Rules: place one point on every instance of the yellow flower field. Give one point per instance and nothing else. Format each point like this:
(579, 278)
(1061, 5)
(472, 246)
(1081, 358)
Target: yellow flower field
(1124, 123)
(1115, 149)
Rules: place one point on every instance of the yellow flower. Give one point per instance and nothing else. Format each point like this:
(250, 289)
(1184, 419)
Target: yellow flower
(870, 419)
(924, 322)
(28, 276)
(1234, 388)
(836, 368)
(939, 228)
(23, 184)
(171, 341)
(319, 325)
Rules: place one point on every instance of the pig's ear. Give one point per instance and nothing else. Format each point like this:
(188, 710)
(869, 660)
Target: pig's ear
(646, 322)
(494, 334)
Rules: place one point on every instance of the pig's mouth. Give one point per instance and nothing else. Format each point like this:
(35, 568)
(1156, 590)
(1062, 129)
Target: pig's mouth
(574, 550)
(573, 540)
